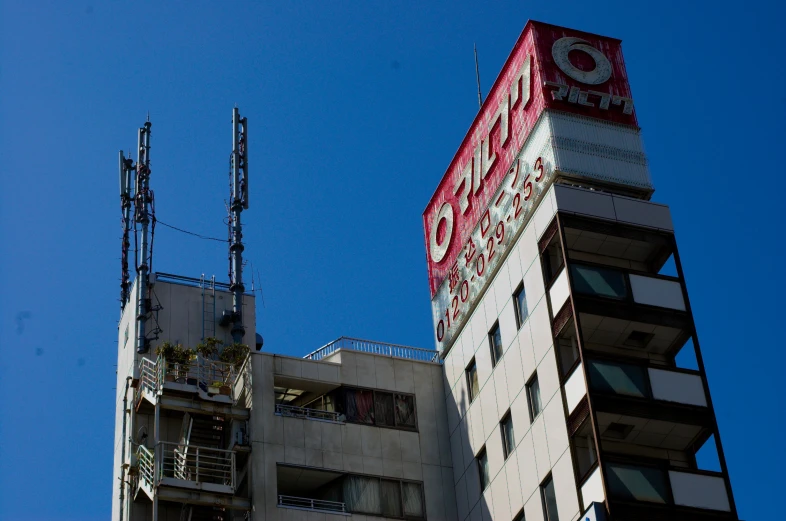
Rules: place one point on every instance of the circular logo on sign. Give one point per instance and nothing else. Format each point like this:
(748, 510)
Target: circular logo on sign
(596, 76)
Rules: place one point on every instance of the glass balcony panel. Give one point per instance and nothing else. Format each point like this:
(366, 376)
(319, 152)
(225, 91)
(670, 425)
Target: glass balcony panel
(602, 282)
(631, 483)
(628, 380)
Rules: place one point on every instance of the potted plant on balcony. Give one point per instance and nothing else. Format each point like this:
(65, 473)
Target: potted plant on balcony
(169, 354)
(234, 354)
(209, 348)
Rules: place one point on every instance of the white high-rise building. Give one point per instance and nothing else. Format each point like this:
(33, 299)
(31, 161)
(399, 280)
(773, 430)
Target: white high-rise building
(567, 381)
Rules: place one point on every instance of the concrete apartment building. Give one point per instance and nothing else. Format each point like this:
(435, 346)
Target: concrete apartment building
(567, 381)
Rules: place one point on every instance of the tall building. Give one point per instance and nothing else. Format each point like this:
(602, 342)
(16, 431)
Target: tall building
(567, 382)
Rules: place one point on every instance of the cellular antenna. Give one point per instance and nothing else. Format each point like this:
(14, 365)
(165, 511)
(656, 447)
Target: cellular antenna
(477, 77)
(143, 203)
(238, 202)
(126, 166)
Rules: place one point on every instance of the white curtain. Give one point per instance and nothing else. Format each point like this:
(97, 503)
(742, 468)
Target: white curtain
(362, 494)
(413, 499)
(391, 498)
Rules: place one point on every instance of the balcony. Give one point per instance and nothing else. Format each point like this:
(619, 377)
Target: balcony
(638, 381)
(344, 493)
(313, 505)
(210, 379)
(306, 413)
(175, 472)
(600, 281)
(648, 492)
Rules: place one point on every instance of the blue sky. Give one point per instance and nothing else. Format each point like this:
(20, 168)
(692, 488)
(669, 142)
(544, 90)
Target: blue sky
(355, 110)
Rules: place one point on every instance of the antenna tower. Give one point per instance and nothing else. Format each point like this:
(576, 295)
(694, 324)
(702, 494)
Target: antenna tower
(238, 203)
(126, 166)
(143, 205)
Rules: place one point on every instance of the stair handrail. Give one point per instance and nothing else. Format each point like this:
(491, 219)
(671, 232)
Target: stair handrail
(147, 467)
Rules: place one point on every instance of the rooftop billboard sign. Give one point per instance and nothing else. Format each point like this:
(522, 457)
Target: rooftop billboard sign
(550, 67)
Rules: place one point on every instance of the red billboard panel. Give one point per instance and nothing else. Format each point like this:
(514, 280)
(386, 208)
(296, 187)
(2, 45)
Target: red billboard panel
(549, 67)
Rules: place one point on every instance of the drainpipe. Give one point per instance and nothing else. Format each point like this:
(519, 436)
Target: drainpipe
(123, 451)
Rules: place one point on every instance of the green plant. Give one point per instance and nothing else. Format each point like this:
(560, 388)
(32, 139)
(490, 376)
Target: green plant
(175, 353)
(209, 347)
(234, 354)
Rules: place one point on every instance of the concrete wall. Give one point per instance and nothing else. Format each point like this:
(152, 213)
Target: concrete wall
(420, 456)
(180, 318)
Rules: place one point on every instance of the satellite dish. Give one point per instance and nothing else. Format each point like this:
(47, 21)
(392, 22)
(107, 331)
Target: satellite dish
(141, 436)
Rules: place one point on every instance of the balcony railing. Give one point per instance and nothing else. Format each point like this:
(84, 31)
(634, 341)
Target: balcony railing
(636, 483)
(612, 283)
(377, 348)
(191, 466)
(208, 375)
(317, 505)
(146, 462)
(309, 414)
(678, 386)
(198, 464)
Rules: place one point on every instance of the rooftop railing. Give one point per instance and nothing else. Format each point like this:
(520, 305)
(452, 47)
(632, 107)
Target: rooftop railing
(317, 505)
(309, 414)
(376, 348)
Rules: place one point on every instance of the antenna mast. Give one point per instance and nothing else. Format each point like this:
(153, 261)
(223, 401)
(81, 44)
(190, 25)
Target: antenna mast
(126, 166)
(143, 202)
(239, 202)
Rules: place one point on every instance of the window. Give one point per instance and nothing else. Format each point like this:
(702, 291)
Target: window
(359, 406)
(567, 351)
(519, 516)
(549, 500)
(495, 343)
(533, 396)
(508, 440)
(601, 282)
(520, 305)
(584, 447)
(472, 380)
(552, 260)
(405, 410)
(383, 497)
(379, 408)
(483, 468)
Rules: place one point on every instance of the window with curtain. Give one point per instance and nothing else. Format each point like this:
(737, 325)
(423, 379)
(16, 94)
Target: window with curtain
(413, 500)
(405, 411)
(391, 498)
(380, 408)
(383, 497)
(362, 494)
(359, 405)
(383, 408)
